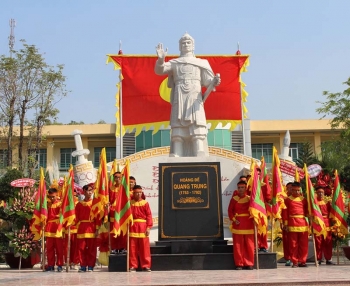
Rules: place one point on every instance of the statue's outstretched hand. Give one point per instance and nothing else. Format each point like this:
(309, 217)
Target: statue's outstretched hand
(216, 79)
(160, 51)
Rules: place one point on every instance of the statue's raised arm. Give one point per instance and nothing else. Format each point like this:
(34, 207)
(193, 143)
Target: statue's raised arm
(161, 53)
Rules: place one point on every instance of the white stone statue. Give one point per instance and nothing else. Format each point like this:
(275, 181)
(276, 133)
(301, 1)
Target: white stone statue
(186, 77)
(285, 150)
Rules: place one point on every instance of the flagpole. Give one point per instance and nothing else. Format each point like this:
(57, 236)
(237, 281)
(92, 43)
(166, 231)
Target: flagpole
(120, 119)
(43, 248)
(272, 228)
(242, 114)
(313, 241)
(337, 252)
(127, 249)
(256, 246)
(121, 115)
(68, 250)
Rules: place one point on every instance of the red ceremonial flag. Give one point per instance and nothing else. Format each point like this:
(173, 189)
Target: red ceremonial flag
(257, 205)
(123, 215)
(263, 169)
(101, 196)
(144, 92)
(111, 173)
(277, 186)
(67, 212)
(318, 224)
(266, 188)
(338, 207)
(40, 210)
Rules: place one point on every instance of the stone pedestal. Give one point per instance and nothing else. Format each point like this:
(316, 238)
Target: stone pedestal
(190, 201)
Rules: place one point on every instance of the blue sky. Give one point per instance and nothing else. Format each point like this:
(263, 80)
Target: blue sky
(297, 48)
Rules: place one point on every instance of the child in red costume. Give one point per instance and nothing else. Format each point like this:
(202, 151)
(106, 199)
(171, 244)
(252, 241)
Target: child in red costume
(242, 228)
(87, 231)
(324, 245)
(295, 222)
(54, 244)
(139, 232)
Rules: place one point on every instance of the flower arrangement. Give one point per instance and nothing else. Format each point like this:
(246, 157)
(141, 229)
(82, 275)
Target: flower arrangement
(22, 242)
(278, 237)
(22, 204)
(338, 236)
(17, 212)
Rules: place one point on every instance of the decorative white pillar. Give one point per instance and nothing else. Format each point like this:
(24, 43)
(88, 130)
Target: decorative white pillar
(84, 171)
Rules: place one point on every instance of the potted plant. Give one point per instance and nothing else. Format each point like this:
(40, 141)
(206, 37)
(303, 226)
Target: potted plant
(342, 240)
(17, 213)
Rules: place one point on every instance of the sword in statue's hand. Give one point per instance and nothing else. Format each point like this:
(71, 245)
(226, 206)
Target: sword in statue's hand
(216, 81)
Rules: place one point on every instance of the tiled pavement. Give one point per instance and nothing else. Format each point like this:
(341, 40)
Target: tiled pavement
(323, 275)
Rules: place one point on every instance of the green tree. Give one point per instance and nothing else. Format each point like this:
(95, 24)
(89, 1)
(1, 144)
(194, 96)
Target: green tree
(337, 106)
(6, 191)
(336, 152)
(29, 90)
(306, 155)
(72, 122)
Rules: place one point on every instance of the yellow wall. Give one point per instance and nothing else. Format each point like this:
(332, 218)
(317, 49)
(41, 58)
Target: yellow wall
(262, 131)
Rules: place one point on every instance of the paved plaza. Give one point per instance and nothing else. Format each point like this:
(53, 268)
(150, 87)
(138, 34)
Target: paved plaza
(323, 275)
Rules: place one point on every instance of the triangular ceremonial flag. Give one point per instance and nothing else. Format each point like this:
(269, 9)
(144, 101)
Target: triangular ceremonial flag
(296, 176)
(318, 224)
(257, 205)
(265, 185)
(111, 173)
(338, 207)
(101, 190)
(277, 186)
(67, 212)
(40, 208)
(122, 207)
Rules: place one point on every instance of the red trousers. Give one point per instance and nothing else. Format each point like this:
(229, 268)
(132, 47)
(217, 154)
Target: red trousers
(54, 248)
(298, 245)
(324, 246)
(262, 241)
(243, 249)
(139, 247)
(285, 242)
(74, 251)
(118, 242)
(87, 251)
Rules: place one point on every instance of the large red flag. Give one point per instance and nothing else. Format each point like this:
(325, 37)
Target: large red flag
(40, 209)
(123, 215)
(144, 92)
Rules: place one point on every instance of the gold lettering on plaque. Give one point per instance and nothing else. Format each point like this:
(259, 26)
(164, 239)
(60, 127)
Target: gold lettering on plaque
(190, 200)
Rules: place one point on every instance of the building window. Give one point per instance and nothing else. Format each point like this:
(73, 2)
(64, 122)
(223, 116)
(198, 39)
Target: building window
(237, 141)
(66, 158)
(128, 144)
(110, 155)
(294, 150)
(220, 138)
(3, 159)
(41, 158)
(146, 140)
(265, 150)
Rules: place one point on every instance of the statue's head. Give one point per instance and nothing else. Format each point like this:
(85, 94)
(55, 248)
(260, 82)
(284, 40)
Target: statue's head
(186, 43)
